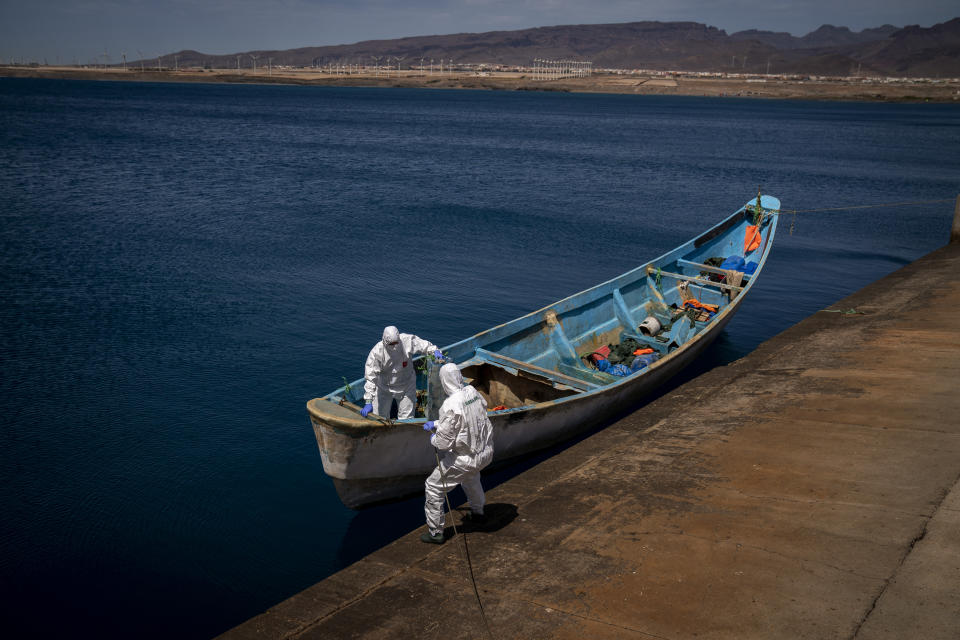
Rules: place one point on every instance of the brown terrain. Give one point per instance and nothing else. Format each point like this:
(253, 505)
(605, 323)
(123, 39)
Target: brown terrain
(886, 63)
(887, 51)
(856, 89)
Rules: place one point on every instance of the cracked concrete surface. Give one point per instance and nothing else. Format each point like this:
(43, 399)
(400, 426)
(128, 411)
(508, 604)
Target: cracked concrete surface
(808, 490)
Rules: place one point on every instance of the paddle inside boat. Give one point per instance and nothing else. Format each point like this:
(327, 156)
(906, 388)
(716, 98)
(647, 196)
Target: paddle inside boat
(558, 371)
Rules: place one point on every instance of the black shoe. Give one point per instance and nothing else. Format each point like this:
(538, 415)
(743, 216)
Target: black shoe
(437, 539)
(472, 517)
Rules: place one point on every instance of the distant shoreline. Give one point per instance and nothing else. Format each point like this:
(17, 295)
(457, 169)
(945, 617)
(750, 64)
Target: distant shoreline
(848, 89)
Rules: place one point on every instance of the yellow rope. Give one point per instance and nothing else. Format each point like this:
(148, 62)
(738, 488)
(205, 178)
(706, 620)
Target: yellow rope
(864, 206)
(793, 222)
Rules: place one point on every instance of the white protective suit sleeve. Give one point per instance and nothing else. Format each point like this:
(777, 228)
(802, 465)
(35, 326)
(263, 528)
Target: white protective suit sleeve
(447, 428)
(371, 374)
(415, 344)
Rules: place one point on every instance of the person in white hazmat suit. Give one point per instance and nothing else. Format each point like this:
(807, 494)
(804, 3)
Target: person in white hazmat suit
(389, 373)
(465, 436)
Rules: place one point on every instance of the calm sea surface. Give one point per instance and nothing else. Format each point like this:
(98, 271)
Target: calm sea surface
(183, 266)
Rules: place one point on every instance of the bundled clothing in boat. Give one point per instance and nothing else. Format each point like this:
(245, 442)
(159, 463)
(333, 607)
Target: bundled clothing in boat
(389, 373)
(622, 370)
(624, 358)
(613, 369)
(730, 263)
(736, 263)
(623, 353)
(464, 434)
(695, 310)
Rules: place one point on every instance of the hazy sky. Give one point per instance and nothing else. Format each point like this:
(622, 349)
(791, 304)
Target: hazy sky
(81, 30)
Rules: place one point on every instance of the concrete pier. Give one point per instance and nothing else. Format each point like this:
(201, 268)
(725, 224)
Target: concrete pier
(808, 490)
(955, 230)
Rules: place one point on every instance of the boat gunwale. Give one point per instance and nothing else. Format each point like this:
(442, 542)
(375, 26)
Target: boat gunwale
(360, 427)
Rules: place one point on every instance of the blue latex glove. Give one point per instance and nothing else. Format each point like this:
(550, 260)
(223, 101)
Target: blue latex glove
(428, 426)
(438, 354)
(367, 408)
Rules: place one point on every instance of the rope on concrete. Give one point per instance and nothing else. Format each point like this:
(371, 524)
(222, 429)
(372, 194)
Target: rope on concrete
(466, 551)
(846, 312)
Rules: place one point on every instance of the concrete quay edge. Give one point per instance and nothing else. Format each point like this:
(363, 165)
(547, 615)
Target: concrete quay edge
(808, 490)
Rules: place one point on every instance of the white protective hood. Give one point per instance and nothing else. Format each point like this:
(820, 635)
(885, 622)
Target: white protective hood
(391, 334)
(451, 378)
(393, 351)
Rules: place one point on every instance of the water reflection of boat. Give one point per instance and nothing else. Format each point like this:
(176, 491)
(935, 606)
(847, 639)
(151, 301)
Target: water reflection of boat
(543, 367)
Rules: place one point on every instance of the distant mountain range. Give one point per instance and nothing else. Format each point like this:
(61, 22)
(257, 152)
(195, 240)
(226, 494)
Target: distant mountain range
(687, 46)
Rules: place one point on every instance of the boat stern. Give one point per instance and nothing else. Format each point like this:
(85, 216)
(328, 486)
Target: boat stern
(372, 448)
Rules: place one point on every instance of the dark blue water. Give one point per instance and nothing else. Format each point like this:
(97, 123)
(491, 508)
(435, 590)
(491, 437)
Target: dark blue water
(184, 266)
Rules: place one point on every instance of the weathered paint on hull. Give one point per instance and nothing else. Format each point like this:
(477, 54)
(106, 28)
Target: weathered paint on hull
(374, 460)
(392, 463)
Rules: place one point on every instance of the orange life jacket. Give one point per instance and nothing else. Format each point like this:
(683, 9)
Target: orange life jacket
(752, 239)
(712, 308)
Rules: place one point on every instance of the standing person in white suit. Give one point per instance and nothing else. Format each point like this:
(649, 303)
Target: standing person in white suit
(390, 375)
(465, 436)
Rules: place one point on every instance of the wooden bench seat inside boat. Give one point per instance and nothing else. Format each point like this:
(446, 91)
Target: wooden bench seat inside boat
(697, 267)
(501, 385)
(589, 375)
(653, 343)
(529, 370)
(681, 331)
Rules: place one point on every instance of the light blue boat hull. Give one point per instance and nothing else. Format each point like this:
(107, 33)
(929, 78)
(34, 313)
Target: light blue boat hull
(534, 366)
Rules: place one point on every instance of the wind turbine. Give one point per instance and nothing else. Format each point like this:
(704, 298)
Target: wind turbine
(140, 53)
(123, 55)
(254, 63)
(398, 59)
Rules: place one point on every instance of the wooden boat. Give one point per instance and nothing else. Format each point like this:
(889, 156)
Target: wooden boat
(535, 365)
